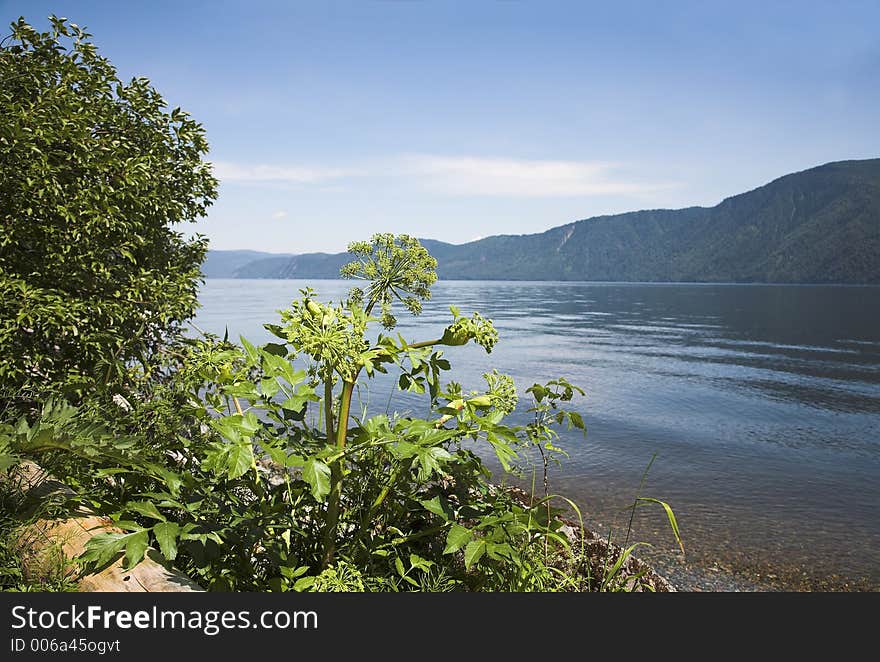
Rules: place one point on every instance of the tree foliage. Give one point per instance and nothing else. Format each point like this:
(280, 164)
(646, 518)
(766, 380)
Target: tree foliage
(95, 176)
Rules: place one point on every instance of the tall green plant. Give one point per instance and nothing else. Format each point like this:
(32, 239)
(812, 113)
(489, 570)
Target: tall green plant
(308, 483)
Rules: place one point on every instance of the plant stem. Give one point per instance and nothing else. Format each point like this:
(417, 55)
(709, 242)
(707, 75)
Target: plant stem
(328, 409)
(334, 497)
(632, 513)
(374, 507)
(423, 343)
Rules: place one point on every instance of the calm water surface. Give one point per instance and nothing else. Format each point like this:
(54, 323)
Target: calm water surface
(762, 404)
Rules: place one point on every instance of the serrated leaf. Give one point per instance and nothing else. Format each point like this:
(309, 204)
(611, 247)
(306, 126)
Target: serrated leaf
(276, 366)
(101, 548)
(474, 552)
(405, 449)
(234, 460)
(435, 506)
(457, 538)
(249, 423)
(251, 351)
(166, 535)
(416, 561)
(269, 387)
(431, 459)
(135, 548)
(503, 451)
(294, 460)
(242, 390)
(172, 481)
(317, 475)
(277, 454)
(145, 508)
(295, 403)
(239, 460)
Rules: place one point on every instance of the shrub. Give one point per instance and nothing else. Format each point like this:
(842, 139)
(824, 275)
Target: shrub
(95, 174)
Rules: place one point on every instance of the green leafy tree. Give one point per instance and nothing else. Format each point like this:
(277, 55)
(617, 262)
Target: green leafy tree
(95, 175)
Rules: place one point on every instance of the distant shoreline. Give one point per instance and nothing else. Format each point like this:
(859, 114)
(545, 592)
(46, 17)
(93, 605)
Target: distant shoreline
(578, 282)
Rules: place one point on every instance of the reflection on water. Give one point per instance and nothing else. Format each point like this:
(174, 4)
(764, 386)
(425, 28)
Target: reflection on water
(761, 403)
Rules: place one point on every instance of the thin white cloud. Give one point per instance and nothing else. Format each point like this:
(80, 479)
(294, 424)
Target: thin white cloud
(266, 174)
(455, 176)
(474, 175)
(278, 215)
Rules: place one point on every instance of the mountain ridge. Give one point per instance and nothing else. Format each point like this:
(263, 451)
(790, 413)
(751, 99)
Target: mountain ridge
(819, 225)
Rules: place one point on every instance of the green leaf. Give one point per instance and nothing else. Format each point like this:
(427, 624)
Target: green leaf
(276, 366)
(135, 548)
(294, 460)
(295, 403)
(8, 460)
(474, 552)
(229, 427)
(431, 459)
(416, 561)
(145, 508)
(269, 387)
(612, 572)
(293, 573)
(435, 506)
(503, 450)
(405, 449)
(252, 353)
(457, 538)
(500, 551)
(245, 389)
(304, 583)
(576, 420)
(102, 548)
(671, 516)
(317, 475)
(278, 454)
(233, 459)
(239, 460)
(166, 535)
(172, 481)
(274, 348)
(537, 391)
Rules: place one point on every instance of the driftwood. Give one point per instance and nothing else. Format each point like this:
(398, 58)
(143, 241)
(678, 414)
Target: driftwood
(48, 545)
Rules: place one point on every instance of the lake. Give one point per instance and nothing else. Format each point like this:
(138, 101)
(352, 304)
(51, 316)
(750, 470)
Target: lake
(761, 402)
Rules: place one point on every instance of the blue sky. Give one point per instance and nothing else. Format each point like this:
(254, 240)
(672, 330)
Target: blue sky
(329, 121)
